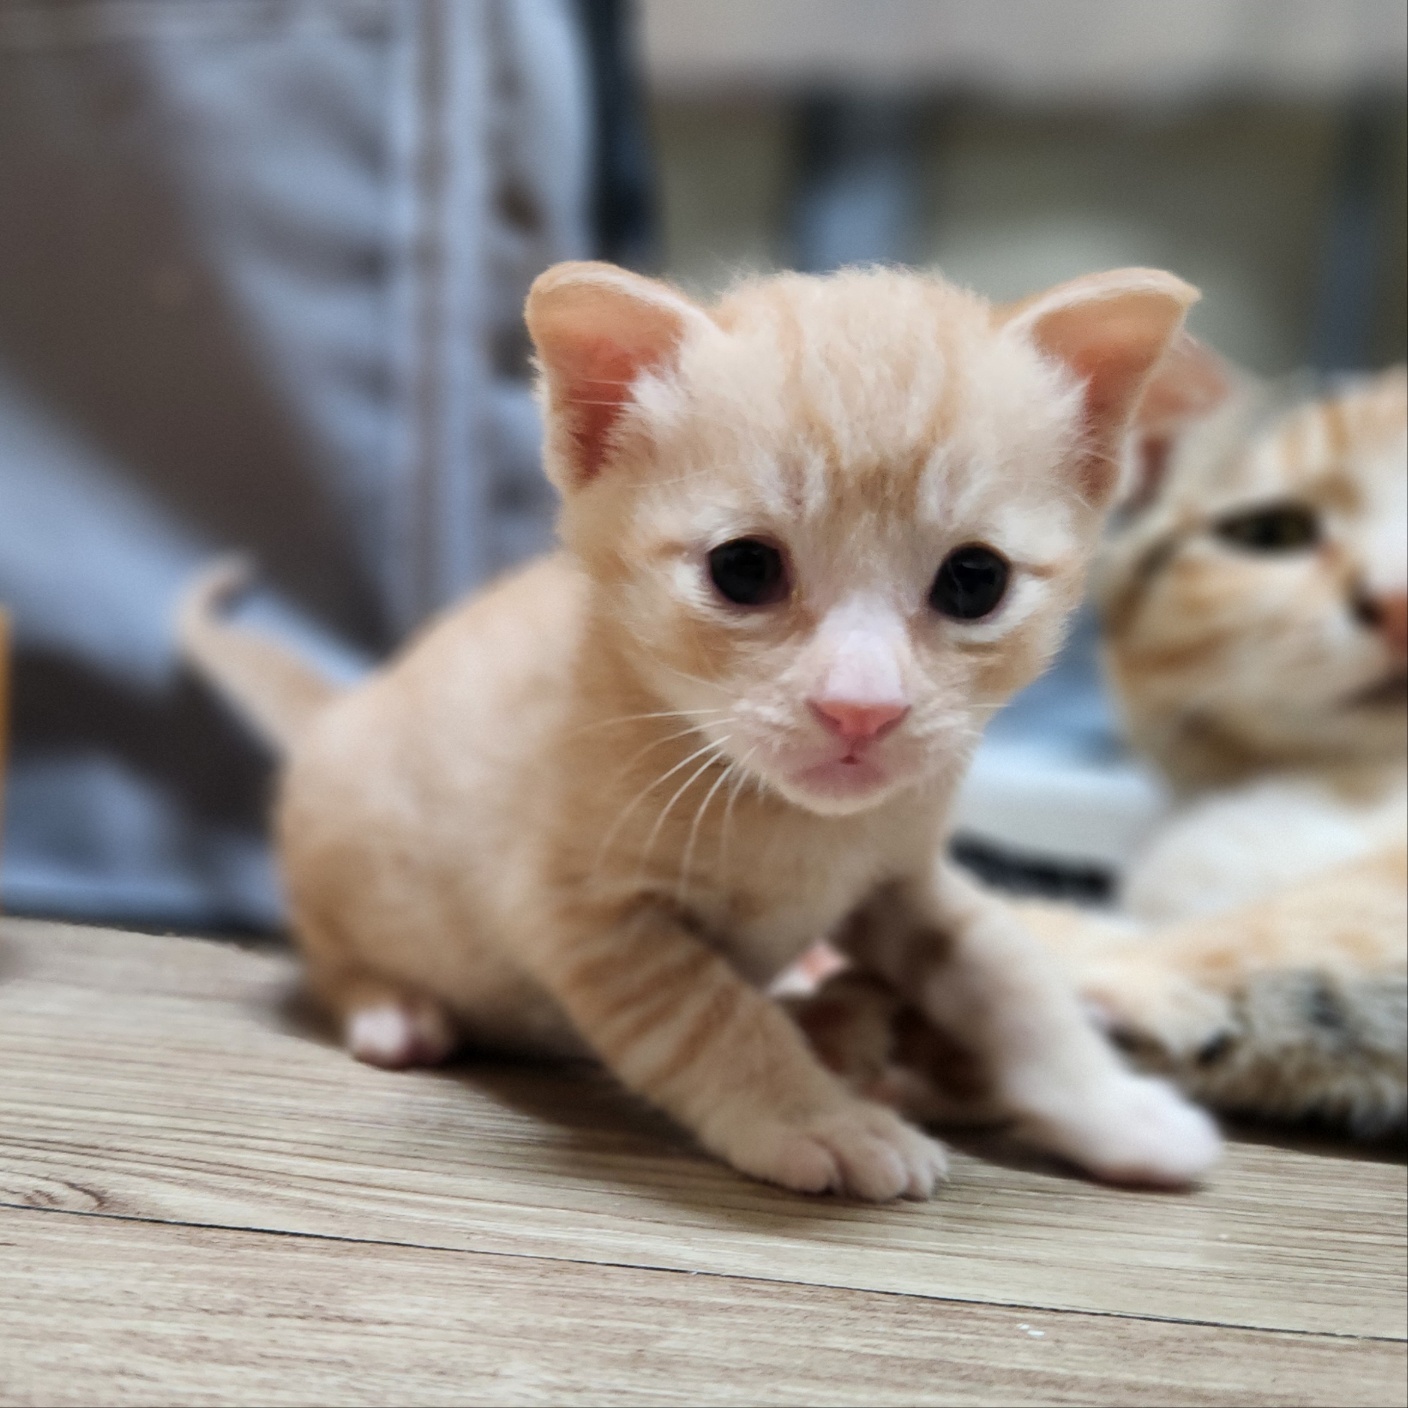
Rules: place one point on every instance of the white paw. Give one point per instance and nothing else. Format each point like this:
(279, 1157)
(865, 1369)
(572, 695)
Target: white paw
(397, 1035)
(858, 1149)
(1131, 1129)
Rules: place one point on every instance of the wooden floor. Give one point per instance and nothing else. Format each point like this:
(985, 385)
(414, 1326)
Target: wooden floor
(201, 1201)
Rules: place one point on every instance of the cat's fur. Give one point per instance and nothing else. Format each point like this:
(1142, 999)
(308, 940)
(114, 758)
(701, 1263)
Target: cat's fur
(1258, 954)
(597, 805)
(1271, 688)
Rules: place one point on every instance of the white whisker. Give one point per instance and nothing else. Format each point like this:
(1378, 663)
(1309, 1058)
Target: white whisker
(698, 679)
(646, 790)
(714, 750)
(637, 718)
(682, 885)
(735, 788)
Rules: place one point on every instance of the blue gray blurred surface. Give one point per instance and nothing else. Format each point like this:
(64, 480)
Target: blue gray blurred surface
(261, 271)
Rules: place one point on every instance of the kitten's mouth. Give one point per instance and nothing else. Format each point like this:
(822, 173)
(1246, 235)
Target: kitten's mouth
(1383, 694)
(854, 774)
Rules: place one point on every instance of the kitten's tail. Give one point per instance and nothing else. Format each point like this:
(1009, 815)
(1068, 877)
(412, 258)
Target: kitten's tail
(268, 686)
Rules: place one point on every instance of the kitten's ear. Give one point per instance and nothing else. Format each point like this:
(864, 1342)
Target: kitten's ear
(597, 329)
(1192, 381)
(1110, 330)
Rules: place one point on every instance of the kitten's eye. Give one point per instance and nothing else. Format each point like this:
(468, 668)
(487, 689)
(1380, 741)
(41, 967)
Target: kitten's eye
(748, 572)
(971, 581)
(1279, 528)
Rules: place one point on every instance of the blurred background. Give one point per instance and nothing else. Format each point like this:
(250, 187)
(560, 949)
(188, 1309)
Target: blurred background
(261, 266)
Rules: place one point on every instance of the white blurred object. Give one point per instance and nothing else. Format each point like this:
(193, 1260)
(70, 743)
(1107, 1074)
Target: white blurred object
(1035, 802)
(1025, 50)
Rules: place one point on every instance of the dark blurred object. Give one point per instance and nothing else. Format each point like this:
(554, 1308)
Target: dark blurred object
(856, 199)
(623, 177)
(1035, 877)
(1358, 236)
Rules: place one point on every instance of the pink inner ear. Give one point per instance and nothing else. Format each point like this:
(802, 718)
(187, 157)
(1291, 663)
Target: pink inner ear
(597, 330)
(1113, 368)
(592, 396)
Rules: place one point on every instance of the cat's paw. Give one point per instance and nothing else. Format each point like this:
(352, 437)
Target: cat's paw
(857, 1149)
(1132, 1130)
(1150, 1010)
(396, 1034)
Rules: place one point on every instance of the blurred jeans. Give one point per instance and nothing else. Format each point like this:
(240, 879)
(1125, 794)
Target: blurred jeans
(261, 271)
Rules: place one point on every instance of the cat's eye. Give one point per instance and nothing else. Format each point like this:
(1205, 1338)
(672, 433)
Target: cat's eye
(1273, 528)
(970, 583)
(748, 572)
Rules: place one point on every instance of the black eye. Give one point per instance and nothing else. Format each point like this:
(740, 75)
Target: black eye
(748, 572)
(1278, 528)
(970, 583)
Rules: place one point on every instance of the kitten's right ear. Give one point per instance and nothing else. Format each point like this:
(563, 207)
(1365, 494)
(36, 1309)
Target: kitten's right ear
(597, 329)
(1110, 331)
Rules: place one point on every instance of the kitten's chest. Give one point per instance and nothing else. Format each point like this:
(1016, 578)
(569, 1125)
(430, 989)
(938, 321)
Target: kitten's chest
(784, 896)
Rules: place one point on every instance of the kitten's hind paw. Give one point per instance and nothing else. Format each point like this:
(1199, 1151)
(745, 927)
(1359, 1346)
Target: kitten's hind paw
(1132, 1130)
(861, 1151)
(401, 1033)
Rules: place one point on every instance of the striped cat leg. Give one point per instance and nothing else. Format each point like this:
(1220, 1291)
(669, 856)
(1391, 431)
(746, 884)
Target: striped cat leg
(1286, 1007)
(963, 958)
(678, 1025)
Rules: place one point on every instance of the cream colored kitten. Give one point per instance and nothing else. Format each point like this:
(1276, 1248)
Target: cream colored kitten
(813, 537)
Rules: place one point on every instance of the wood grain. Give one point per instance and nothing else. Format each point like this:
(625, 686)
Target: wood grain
(511, 1233)
(236, 1317)
(160, 1078)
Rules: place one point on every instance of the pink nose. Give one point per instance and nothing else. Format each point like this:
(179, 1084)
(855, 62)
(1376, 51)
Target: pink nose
(1388, 614)
(858, 723)
(1393, 621)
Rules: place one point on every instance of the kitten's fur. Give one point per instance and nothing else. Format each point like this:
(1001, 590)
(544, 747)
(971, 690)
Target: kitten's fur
(1259, 952)
(597, 804)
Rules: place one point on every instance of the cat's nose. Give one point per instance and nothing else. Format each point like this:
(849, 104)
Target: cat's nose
(856, 721)
(1387, 613)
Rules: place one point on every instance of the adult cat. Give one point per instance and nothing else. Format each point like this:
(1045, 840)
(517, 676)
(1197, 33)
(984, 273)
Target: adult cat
(814, 536)
(1255, 627)
(1255, 611)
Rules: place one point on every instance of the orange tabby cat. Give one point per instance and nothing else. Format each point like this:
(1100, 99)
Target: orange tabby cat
(1255, 626)
(814, 536)
(1256, 632)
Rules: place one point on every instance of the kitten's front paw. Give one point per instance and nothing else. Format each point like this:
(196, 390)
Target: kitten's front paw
(857, 1149)
(1132, 1130)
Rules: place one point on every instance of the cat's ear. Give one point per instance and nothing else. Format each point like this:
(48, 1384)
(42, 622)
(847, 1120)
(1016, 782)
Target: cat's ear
(1111, 330)
(597, 329)
(1190, 382)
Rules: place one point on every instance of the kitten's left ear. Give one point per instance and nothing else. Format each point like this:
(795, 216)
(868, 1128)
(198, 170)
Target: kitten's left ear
(1111, 330)
(598, 329)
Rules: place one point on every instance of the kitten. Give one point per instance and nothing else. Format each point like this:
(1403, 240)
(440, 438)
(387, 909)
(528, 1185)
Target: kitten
(1256, 632)
(813, 537)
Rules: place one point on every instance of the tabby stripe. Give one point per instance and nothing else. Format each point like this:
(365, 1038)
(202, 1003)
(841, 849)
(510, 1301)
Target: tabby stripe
(709, 1025)
(1150, 566)
(629, 1024)
(620, 983)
